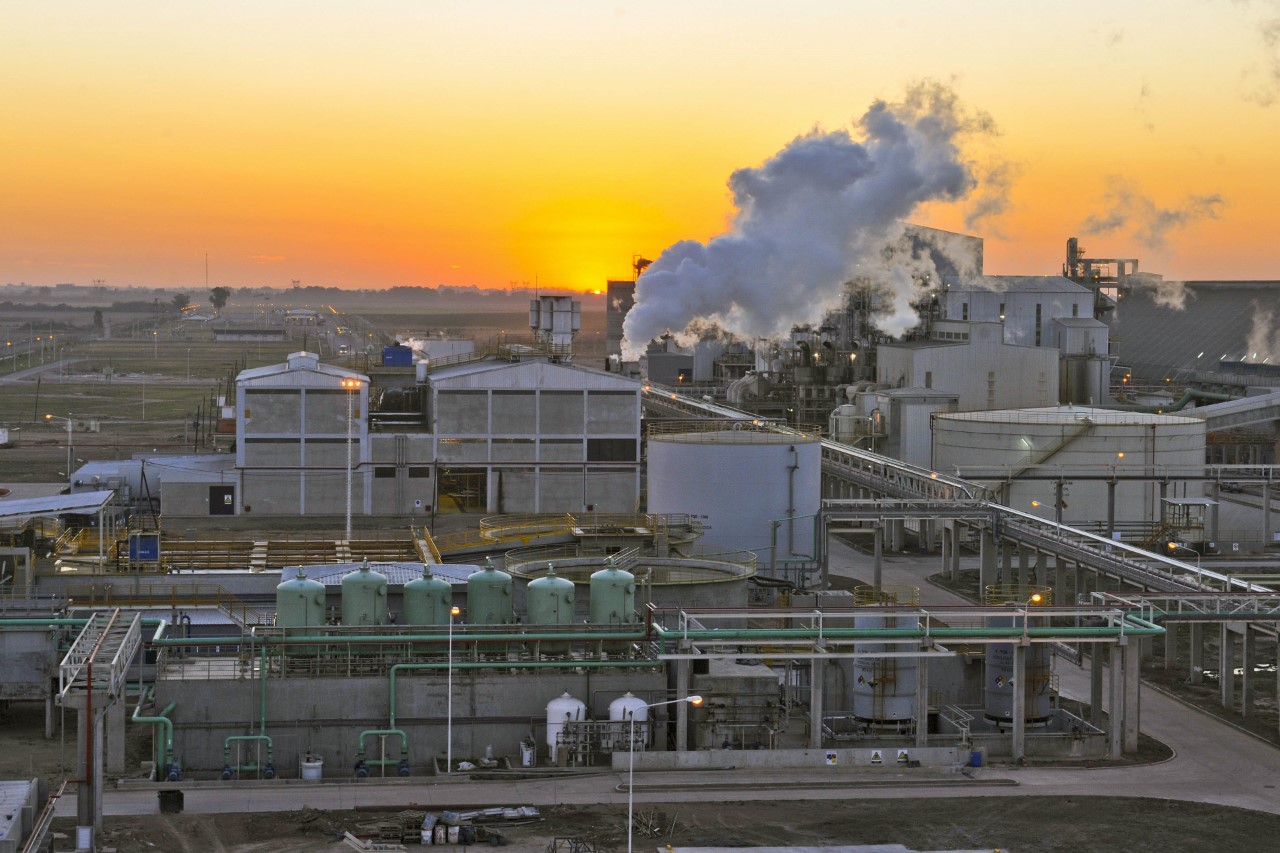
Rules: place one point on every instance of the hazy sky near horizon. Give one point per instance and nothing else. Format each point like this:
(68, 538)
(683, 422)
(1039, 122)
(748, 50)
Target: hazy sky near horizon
(428, 142)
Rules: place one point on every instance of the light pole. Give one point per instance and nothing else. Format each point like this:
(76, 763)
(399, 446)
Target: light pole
(448, 737)
(68, 422)
(631, 754)
(1035, 599)
(351, 385)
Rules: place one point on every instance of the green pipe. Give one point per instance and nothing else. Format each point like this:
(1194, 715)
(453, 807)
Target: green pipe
(404, 744)
(164, 751)
(403, 638)
(60, 622)
(903, 633)
(262, 685)
(527, 664)
(226, 751)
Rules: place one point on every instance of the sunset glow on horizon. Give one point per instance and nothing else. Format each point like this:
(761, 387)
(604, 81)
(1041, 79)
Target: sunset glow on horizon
(488, 144)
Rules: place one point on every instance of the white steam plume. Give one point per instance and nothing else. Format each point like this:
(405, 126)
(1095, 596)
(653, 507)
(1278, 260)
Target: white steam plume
(1128, 209)
(1263, 341)
(818, 213)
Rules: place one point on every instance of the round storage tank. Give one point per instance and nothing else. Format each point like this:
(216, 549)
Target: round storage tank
(884, 688)
(427, 600)
(1078, 438)
(620, 715)
(1000, 677)
(364, 597)
(489, 597)
(550, 600)
(299, 602)
(561, 710)
(741, 480)
(613, 597)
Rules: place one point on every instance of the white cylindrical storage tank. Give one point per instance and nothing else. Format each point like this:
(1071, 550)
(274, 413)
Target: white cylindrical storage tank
(1070, 438)
(1000, 679)
(741, 480)
(563, 709)
(621, 711)
(884, 688)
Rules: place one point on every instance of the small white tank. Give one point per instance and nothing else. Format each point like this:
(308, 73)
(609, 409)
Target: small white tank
(563, 709)
(620, 712)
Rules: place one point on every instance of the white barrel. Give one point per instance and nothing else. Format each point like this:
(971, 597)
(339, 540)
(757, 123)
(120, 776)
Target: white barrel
(311, 768)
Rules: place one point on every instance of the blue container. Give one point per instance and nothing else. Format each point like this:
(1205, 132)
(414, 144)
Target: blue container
(397, 356)
(975, 758)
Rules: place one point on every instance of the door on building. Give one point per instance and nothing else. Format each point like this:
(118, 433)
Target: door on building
(222, 500)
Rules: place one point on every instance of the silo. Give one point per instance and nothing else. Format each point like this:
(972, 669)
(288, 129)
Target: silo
(884, 688)
(489, 597)
(299, 602)
(1078, 438)
(427, 600)
(742, 480)
(561, 710)
(551, 603)
(613, 597)
(1000, 680)
(364, 597)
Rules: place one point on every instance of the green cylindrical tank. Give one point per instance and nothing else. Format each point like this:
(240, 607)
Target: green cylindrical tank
(489, 597)
(427, 600)
(364, 597)
(550, 600)
(613, 597)
(299, 602)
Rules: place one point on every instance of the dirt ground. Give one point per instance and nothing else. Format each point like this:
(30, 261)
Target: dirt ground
(1009, 824)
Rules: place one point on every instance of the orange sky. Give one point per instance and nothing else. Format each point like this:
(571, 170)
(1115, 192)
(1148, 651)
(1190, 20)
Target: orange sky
(409, 143)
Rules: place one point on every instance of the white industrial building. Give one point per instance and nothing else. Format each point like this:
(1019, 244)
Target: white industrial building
(516, 434)
(973, 361)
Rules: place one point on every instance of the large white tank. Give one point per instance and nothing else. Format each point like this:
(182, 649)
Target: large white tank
(621, 711)
(884, 688)
(563, 709)
(1070, 438)
(740, 480)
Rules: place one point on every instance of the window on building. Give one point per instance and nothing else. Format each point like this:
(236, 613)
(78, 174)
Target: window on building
(419, 472)
(964, 310)
(611, 450)
(384, 472)
(1038, 313)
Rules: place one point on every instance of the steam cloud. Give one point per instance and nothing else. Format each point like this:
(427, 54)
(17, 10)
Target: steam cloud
(823, 210)
(1128, 209)
(1264, 339)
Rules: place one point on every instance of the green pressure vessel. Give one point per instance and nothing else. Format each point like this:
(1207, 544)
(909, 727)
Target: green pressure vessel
(364, 597)
(613, 597)
(489, 597)
(550, 600)
(427, 600)
(299, 602)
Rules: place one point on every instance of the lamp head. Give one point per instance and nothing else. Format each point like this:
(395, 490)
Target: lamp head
(693, 700)
(1035, 598)
(455, 611)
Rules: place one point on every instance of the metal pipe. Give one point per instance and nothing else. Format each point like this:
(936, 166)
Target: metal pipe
(637, 636)
(165, 750)
(226, 751)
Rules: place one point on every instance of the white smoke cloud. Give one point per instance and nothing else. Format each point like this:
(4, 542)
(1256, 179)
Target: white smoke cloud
(818, 213)
(1128, 209)
(1264, 340)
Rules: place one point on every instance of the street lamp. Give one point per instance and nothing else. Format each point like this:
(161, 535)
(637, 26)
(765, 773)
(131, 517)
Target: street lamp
(1175, 547)
(68, 422)
(631, 754)
(1035, 599)
(448, 737)
(351, 386)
